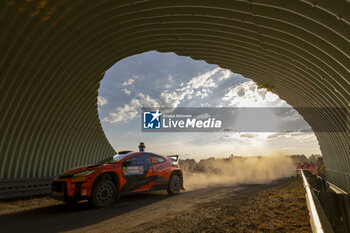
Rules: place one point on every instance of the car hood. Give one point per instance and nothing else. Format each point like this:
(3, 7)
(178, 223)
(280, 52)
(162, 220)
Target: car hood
(85, 168)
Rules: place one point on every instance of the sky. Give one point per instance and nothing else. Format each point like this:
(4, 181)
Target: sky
(165, 79)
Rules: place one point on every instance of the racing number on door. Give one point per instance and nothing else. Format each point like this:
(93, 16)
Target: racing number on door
(153, 159)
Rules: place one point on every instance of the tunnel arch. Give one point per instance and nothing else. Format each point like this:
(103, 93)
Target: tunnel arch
(54, 54)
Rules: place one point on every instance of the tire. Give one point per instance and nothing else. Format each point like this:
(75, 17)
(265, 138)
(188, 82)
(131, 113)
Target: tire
(174, 184)
(103, 194)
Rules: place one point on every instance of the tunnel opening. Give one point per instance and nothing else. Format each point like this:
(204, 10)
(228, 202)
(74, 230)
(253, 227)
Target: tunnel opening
(168, 80)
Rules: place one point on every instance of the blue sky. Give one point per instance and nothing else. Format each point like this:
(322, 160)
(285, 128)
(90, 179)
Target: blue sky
(167, 80)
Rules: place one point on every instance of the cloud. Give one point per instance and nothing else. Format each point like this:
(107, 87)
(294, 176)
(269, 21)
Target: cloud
(199, 86)
(101, 101)
(196, 89)
(126, 91)
(203, 116)
(147, 101)
(128, 82)
(248, 94)
(257, 139)
(171, 99)
(203, 80)
(131, 110)
(203, 93)
(248, 135)
(300, 136)
(225, 75)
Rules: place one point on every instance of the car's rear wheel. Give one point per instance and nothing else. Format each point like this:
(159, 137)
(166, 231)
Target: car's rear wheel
(103, 194)
(175, 184)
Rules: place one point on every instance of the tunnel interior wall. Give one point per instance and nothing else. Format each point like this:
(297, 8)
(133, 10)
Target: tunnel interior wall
(54, 54)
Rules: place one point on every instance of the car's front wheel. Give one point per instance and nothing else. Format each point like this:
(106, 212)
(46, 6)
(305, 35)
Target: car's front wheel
(103, 194)
(174, 184)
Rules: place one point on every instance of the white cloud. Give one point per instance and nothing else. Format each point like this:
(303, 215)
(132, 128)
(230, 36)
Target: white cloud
(126, 91)
(248, 94)
(203, 116)
(198, 86)
(128, 82)
(131, 110)
(167, 86)
(101, 101)
(300, 136)
(225, 75)
(203, 80)
(171, 99)
(203, 93)
(269, 137)
(147, 101)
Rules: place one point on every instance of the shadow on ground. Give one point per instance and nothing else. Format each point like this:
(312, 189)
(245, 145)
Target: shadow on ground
(63, 217)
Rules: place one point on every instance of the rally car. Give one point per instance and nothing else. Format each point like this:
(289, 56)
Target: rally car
(126, 172)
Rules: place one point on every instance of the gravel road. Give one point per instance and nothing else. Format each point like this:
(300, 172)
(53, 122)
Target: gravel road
(275, 207)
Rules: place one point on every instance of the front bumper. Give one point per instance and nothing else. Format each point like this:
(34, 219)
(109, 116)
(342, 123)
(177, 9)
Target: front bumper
(64, 189)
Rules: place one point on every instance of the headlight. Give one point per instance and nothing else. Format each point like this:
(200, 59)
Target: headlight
(84, 173)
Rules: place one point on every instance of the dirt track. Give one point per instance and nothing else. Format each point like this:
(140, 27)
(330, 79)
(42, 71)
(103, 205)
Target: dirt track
(275, 207)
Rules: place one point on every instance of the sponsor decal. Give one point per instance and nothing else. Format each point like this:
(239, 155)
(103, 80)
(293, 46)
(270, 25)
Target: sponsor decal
(153, 160)
(83, 192)
(135, 170)
(161, 167)
(78, 179)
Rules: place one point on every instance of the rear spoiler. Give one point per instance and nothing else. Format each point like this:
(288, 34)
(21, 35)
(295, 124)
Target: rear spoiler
(174, 158)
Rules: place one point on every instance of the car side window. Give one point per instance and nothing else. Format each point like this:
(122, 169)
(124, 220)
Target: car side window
(137, 160)
(160, 159)
(157, 159)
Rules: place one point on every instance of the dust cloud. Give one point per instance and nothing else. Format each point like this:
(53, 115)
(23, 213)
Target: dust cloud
(236, 170)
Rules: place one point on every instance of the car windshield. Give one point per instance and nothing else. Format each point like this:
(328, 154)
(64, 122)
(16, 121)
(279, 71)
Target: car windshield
(118, 157)
(114, 159)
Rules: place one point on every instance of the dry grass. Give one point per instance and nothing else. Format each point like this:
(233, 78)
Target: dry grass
(278, 207)
(281, 209)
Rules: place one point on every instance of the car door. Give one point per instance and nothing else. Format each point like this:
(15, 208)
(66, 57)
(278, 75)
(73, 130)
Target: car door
(135, 170)
(159, 169)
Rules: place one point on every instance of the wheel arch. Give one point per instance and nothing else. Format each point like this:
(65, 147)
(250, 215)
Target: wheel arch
(112, 176)
(179, 173)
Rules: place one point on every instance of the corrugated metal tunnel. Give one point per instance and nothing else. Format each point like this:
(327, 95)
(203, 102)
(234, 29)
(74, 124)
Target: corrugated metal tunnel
(54, 54)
